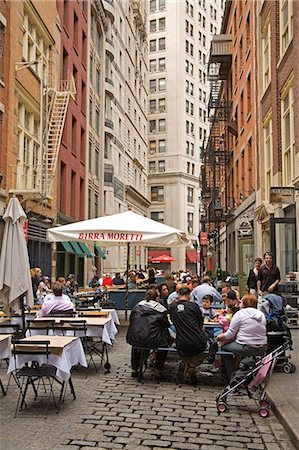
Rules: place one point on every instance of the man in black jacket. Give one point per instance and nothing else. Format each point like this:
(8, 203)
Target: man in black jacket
(148, 329)
(191, 340)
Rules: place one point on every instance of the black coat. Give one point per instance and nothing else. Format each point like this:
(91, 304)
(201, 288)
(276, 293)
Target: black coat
(148, 326)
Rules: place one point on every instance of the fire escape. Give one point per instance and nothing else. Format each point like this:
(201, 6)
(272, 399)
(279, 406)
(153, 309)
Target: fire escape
(53, 133)
(54, 103)
(216, 155)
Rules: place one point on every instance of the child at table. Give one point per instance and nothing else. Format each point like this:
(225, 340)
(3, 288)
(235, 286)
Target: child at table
(207, 311)
(225, 319)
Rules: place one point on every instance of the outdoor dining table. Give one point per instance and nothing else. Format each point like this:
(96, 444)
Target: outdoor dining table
(97, 327)
(103, 313)
(65, 352)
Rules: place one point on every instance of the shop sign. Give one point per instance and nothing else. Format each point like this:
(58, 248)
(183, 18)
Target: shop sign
(283, 195)
(203, 238)
(245, 229)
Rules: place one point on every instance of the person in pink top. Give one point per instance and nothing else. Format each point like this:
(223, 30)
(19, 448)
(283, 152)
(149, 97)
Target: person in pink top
(59, 302)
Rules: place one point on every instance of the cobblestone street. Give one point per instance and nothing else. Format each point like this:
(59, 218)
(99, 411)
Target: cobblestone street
(114, 411)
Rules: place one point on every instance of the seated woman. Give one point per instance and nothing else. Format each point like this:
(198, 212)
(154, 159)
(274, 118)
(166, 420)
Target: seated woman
(149, 329)
(246, 335)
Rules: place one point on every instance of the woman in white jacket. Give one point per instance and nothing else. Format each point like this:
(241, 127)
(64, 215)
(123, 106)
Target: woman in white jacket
(247, 334)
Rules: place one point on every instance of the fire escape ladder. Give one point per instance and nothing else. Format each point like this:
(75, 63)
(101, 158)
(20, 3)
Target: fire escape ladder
(58, 111)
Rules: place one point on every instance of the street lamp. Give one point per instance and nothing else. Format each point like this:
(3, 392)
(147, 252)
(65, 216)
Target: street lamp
(218, 210)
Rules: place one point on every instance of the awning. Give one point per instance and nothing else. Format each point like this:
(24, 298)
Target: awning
(77, 248)
(192, 256)
(67, 247)
(100, 251)
(85, 249)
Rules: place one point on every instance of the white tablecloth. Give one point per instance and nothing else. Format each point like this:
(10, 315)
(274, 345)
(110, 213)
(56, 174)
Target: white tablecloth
(114, 315)
(5, 347)
(106, 332)
(72, 355)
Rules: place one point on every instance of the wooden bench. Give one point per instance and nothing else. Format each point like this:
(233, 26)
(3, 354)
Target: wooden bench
(145, 352)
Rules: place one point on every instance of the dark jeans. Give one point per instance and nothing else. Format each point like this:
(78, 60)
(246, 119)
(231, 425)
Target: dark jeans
(135, 359)
(241, 350)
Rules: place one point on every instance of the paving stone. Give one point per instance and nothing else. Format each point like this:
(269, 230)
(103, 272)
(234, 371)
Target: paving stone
(85, 443)
(159, 444)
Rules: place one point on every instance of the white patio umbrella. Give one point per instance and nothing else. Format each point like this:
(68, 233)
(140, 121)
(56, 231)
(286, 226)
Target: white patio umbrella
(15, 279)
(124, 228)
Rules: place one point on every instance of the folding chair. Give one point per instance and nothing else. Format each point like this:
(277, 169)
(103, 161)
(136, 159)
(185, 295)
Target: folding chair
(30, 375)
(41, 326)
(9, 328)
(79, 328)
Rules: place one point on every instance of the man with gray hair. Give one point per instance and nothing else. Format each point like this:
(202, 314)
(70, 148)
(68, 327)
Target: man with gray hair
(205, 288)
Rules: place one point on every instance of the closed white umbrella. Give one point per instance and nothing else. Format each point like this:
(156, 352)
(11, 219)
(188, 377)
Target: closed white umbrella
(15, 279)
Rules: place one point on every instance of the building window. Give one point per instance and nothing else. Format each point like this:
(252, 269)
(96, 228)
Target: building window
(153, 65)
(190, 222)
(152, 147)
(153, 126)
(158, 216)
(29, 152)
(97, 161)
(157, 193)
(268, 156)
(161, 166)
(35, 46)
(248, 89)
(266, 55)
(162, 125)
(288, 137)
(162, 84)
(162, 146)
(2, 46)
(162, 64)
(162, 5)
(153, 26)
(152, 105)
(162, 104)
(286, 23)
(152, 166)
(190, 194)
(162, 44)
(153, 85)
(162, 24)
(153, 5)
(153, 45)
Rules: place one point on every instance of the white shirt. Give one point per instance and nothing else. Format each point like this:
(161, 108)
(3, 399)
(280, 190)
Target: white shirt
(51, 296)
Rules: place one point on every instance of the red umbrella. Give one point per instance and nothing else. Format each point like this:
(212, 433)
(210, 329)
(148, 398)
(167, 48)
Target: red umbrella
(162, 259)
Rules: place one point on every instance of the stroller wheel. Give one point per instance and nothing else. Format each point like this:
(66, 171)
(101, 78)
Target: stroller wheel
(293, 367)
(287, 367)
(221, 407)
(264, 412)
(264, 403)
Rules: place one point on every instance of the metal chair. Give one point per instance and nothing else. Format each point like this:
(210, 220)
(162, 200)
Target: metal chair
(9, 328)
(42, 326)
(29, 375)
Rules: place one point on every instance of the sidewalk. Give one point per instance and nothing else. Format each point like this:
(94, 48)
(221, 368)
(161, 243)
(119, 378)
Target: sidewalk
(283, 393)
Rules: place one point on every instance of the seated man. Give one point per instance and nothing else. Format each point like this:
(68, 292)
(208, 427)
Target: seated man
(57, 302)
(191, 340)
(117, 280)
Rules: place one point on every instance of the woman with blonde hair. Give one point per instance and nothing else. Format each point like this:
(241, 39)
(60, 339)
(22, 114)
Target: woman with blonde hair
(247, 334)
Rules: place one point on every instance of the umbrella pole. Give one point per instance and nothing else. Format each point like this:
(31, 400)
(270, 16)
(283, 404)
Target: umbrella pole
(127, 287)
(23, 314)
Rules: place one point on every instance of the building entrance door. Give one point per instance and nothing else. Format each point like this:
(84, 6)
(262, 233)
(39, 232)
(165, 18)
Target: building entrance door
(283, 244)
(246, 259)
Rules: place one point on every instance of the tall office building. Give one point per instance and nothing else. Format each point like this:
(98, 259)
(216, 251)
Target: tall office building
(125, 151)
(180, 33)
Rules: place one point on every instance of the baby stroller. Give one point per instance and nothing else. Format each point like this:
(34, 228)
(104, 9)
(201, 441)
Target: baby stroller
(277, 330)
(253, 376)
